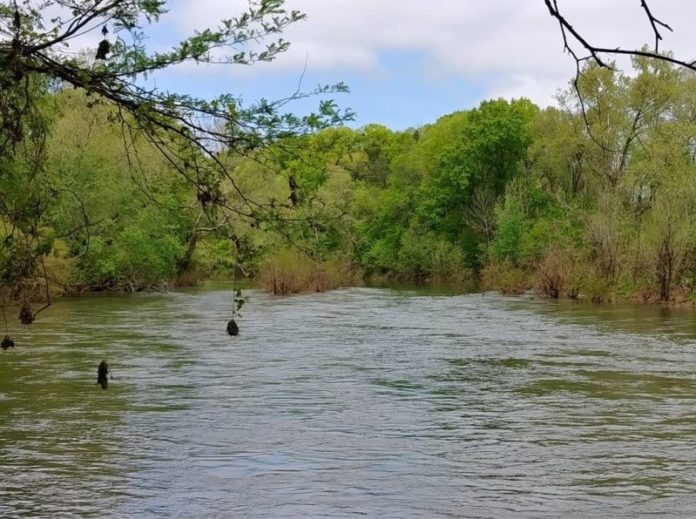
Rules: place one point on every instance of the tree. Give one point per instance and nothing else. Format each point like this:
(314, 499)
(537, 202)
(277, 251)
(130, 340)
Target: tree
(198, 138)
(574, 43)
(472, 156)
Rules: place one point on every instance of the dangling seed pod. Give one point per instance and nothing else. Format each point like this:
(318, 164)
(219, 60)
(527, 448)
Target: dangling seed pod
(204, 197)
(26, 316)
(232, 328)
(103, 49)
(102, 374)
(7, 342)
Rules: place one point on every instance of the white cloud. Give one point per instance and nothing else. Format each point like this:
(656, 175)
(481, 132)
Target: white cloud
(512, 47)
(509, 48)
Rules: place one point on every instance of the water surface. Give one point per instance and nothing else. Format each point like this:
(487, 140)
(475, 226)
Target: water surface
(359, 402)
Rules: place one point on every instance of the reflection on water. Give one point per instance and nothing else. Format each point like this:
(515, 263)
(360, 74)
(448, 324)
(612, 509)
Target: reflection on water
(380, 403)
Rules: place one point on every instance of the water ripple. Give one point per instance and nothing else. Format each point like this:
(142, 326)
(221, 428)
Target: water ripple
(360, 402)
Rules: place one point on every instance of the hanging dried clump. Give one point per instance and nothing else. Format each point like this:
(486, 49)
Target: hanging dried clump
(294, 188)
(232, 328)
(16, 49)
(7, 342)
(102, 374)
(204, 197)
(26, 316)
(104, 46)
(239, 301)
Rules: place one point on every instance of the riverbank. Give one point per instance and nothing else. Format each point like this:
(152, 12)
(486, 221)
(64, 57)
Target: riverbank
(290, 277)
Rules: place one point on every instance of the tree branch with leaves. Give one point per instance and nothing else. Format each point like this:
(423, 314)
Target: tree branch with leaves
(197, 137)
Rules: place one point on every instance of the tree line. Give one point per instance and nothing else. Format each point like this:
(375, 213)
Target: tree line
(593, 198)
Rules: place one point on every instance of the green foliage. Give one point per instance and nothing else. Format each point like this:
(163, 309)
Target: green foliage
(608, 208)
(215, 258)
(593, 199)
(130, 179)
(141, 254)
(425, 255)
(512, 225)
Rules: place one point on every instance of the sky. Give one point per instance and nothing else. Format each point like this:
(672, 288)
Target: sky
(408, 62)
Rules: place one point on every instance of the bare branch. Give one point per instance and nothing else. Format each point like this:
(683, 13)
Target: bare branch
(654, 22)
(571, 35)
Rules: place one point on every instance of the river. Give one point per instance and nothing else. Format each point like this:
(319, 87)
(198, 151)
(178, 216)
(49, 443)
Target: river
(361, 402)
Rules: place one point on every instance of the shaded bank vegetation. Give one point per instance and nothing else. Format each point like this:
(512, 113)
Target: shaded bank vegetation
(593, 199)
(108, 182)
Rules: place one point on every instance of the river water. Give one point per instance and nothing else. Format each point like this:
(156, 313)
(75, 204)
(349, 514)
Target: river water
(361, 402)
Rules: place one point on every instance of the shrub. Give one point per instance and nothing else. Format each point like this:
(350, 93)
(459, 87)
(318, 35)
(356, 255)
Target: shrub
(290, 272)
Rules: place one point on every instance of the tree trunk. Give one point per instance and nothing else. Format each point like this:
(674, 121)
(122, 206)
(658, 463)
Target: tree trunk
(664, 270)
(187, 259)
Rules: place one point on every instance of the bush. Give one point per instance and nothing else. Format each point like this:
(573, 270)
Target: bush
(290, 272)
(505, 277)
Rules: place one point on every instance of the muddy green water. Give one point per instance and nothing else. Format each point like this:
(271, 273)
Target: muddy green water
(360, 402)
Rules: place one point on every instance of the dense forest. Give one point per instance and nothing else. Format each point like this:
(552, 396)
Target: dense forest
(593, 198)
